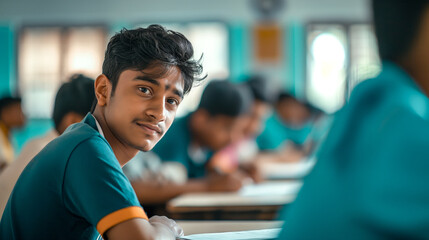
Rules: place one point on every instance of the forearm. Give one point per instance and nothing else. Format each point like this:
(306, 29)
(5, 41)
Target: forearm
(155, 193)
(139, 229)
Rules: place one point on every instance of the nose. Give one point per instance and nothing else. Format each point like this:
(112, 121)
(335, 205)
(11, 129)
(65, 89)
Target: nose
(156, 109)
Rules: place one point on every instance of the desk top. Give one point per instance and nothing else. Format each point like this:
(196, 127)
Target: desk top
(196, 227)
(280, 170)
(264, 196)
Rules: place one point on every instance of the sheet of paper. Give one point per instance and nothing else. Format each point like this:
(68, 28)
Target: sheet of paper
(242, 235)
(271, 189)
(275, 170)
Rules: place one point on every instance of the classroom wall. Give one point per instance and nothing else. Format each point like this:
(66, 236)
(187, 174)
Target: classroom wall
(7, 59)
(239, 16)
(110, 11)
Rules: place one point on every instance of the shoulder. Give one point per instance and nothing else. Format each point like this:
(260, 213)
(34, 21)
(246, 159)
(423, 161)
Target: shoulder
(93, 149)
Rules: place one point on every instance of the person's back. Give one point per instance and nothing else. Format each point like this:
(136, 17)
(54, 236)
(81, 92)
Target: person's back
(72, 102)
(370, 178)
(368, 166)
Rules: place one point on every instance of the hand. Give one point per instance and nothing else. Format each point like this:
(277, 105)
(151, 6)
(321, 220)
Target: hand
(171, 224)
(252, 170)
(224, 182)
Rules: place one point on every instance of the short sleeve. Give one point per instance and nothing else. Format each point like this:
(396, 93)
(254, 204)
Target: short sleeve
(96, 189)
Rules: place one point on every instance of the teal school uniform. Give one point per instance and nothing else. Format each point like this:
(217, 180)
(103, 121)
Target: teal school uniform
(276, 132)
(176, 146)
(73, 189)
(371, 178)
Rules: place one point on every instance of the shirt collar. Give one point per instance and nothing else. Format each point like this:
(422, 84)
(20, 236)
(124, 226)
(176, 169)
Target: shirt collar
(100, 130)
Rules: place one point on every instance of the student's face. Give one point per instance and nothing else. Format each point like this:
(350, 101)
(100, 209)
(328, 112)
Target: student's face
(256, 119)
(220, 131)
(142, 108)
(13, 116)
(293, 113)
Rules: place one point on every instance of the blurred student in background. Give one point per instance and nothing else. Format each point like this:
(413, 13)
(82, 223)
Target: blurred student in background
(11, 117)
(370, 180)
(240, 155)
(72, 102)
(286, 129)
(191, 142)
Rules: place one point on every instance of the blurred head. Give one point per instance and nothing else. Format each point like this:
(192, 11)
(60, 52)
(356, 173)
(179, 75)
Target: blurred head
(219, 119)
(146, 73)
(316, 113)
(260, 107)
(73, 101)
(293, 113)
(11, 114)
(398, 26)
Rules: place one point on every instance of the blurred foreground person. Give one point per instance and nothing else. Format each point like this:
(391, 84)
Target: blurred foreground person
(370, 181)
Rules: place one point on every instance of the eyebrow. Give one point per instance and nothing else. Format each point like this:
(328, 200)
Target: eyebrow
(147, 79)
(155, 82)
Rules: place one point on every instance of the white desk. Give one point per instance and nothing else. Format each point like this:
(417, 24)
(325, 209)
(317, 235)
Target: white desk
(196, 227)
(253, 202)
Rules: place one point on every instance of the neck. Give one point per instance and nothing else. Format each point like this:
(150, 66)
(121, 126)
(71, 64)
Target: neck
(417, 69)
(122, 151)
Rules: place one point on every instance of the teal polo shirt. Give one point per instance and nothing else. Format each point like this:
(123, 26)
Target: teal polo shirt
(175, 146)
(276, 132)
(371, 178)
(73, 189)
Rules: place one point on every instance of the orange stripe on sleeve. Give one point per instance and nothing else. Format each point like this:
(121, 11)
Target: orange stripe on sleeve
(119, 216)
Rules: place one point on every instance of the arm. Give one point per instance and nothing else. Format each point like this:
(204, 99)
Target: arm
(137, 228)
(151, 192)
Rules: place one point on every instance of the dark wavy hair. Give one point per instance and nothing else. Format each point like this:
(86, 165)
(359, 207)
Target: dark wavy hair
(7, 101)
(141, 48)
(77, 96)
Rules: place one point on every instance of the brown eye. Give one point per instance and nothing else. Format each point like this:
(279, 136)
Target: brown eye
(144, 90)
(173, 101)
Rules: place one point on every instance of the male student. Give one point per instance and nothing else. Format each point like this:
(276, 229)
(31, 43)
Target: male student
(289, 123)
(371, 178)
(72, 102)
(242, 153)
(11, 116)
(193, 139)
(75, 188)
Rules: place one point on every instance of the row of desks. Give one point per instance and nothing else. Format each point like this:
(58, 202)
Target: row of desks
(253, 202)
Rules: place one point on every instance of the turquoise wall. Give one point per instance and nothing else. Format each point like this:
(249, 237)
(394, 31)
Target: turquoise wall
(297, 59)
(8, 86)
(239, 51)
(7, 59)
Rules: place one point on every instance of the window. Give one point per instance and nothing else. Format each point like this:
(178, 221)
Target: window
(339, 56)
(49, 55)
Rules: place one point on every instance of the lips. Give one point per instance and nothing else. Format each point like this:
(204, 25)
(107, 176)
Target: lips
(150, 127)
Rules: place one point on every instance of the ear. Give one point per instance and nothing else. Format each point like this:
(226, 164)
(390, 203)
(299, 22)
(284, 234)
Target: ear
(103, 88)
